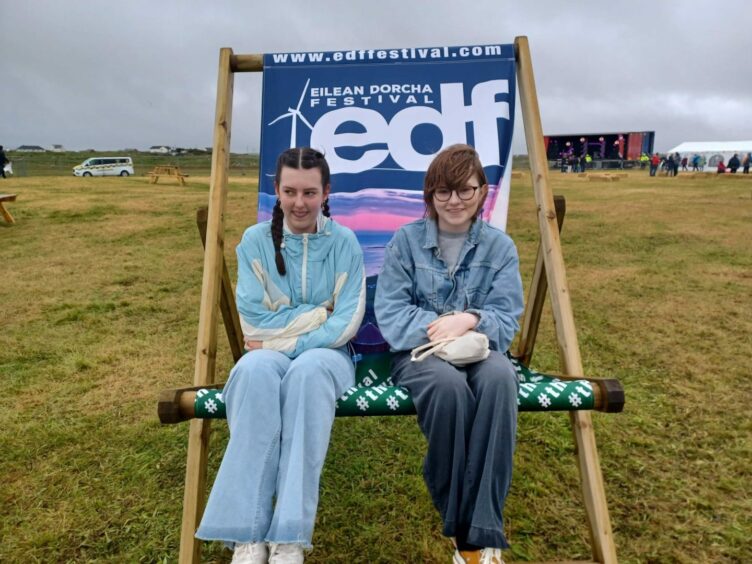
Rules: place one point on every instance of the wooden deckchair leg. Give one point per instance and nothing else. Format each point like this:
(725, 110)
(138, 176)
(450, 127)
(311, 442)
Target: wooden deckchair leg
(6, 214)
(537, 296)
(195, 486)
(206, 347)
(227, 298)
(594, 494)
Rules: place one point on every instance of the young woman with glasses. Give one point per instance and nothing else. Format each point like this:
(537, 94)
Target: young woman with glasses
(444, 275)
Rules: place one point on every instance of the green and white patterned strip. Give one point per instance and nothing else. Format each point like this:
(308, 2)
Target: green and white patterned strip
(541, 392)
(375, 393)
(375, 400)
(209, 404)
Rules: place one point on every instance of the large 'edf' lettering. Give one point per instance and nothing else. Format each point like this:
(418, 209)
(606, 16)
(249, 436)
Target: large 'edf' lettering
(482, 112)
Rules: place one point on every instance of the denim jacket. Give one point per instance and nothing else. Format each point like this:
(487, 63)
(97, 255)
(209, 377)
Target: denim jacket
(415, 285)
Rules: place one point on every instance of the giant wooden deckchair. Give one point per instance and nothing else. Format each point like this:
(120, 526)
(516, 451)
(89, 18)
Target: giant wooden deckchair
(374, 394)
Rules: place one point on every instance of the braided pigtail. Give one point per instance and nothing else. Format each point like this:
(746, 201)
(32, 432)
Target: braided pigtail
(325, 208)
(277, 225)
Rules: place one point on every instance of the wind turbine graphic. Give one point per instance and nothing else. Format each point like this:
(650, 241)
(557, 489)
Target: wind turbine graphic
(294, 114)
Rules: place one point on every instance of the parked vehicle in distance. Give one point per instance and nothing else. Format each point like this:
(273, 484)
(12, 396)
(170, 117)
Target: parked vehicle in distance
(105, 166)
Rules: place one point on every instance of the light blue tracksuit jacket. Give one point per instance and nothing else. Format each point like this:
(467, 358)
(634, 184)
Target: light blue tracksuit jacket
(289, 313)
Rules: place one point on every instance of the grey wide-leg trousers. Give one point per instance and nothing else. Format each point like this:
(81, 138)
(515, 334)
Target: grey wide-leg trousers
(469, 417)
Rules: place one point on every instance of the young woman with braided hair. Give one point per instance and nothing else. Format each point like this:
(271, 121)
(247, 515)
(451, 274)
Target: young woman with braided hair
(301, 298)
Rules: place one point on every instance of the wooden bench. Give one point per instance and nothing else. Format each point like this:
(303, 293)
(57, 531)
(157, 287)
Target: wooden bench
(169, 171)
(5, 212)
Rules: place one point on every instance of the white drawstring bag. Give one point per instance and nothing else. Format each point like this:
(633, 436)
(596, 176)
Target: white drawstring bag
(460, 351)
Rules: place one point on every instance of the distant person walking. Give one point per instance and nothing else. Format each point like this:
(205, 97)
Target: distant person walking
(695, 162)
(3, 161)
(721, 167)
(734, 164)
(670, 165)
(746, 162)
(684, 162)
(655, 161)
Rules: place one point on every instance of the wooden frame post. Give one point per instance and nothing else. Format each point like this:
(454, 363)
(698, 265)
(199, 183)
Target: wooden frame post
(591, 478)
(537, 295)
(206, 349)
(227, 303)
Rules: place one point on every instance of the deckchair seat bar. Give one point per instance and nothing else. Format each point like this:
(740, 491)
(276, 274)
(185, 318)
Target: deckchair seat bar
(374, 396)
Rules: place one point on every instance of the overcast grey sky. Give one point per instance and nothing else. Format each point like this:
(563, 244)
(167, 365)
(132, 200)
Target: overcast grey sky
(114, 75)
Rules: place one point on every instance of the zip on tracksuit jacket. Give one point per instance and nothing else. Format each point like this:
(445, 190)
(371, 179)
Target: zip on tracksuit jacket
(290, 313)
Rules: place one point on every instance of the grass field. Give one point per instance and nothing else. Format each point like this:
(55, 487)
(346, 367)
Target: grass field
(100, 297)
(61, 164)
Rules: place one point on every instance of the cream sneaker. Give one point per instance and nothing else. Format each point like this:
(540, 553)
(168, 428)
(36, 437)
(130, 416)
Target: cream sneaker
(485, 556)
(250, 553)
(285, 553)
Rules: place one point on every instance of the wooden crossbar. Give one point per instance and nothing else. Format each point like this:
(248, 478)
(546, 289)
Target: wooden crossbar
(179, 404)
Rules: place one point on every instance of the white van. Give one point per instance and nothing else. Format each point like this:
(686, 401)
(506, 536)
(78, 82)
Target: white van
(105, 166)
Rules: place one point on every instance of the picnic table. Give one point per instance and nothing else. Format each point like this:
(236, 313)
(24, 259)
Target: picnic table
(5, 213)
(169, 171)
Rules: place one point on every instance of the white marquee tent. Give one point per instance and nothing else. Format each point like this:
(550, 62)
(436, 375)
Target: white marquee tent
(713, 151)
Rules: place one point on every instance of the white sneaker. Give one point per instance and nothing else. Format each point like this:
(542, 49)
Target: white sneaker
(250, 553)
(484, 556)
(285, 553)
(491, 556)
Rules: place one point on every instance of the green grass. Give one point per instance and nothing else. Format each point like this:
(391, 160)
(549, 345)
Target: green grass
(100, 295)
(55, 164)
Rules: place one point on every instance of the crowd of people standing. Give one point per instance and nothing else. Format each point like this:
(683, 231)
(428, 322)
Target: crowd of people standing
(671, 163)
(574, 163)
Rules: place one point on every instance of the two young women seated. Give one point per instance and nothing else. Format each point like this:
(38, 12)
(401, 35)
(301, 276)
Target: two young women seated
(301, 297)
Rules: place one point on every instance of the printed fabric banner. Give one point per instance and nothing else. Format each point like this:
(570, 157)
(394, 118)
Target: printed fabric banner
(380, 116)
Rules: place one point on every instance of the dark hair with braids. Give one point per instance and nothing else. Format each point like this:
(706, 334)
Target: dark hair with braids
(298, 158)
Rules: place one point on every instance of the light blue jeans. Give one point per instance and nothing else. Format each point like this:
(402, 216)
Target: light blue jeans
(280, 413)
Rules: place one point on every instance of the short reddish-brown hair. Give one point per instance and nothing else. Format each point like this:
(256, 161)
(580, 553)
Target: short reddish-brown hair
(451, 168)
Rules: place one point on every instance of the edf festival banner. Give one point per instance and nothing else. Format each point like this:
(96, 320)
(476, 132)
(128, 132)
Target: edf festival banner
(380, 116)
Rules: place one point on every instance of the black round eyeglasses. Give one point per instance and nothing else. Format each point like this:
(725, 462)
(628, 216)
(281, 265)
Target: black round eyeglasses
(465, 193)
